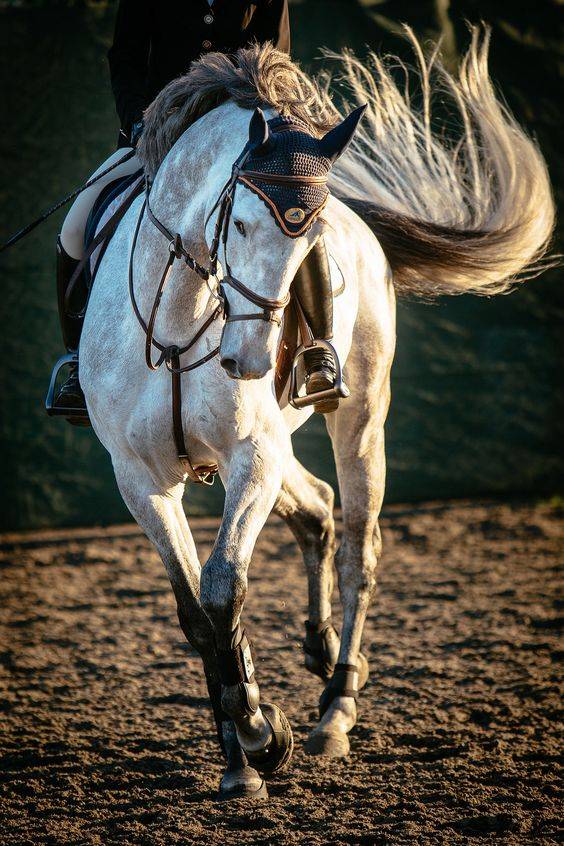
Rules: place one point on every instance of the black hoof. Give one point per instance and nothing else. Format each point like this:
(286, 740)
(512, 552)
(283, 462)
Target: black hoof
(276, 756)
(244, 783)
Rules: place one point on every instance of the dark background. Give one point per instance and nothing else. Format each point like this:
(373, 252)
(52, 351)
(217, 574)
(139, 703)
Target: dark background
(476, 392)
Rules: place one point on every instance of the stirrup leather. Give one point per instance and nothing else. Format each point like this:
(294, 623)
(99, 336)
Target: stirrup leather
(339, 389)
(51, 408)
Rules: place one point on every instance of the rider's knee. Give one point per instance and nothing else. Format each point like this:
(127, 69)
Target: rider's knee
(72, 237)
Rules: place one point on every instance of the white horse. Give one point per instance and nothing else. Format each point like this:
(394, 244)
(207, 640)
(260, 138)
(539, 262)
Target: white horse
(466, 216)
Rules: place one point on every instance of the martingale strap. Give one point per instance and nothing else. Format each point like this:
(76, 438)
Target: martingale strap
(170, 355)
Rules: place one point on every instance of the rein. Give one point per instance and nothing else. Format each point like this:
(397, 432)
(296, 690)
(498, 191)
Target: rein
(170, 355)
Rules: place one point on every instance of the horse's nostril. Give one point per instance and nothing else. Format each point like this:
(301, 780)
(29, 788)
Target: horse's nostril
(231, 367)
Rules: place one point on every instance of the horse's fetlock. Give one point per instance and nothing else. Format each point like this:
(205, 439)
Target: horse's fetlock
(240, 700)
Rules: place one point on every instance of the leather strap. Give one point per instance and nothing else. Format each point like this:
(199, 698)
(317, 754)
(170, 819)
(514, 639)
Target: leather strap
(171, 354)
(343, 682)
(102, 238)
(263, 302)
(236, 665)
(202, 474)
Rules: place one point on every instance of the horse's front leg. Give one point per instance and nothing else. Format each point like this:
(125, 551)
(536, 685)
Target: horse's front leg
(159, 512)
(254, 479)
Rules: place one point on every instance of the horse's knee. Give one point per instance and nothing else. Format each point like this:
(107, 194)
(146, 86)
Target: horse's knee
(223, 588)
(313, 526)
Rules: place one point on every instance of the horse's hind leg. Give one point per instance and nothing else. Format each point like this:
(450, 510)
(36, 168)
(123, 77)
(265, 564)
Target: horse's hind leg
(306, 504)
(164, 522)
(357, 432)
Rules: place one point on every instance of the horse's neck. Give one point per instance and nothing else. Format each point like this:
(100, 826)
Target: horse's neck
(185, 188)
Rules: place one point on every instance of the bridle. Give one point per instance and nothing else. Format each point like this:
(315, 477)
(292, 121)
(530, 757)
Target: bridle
(170, 354)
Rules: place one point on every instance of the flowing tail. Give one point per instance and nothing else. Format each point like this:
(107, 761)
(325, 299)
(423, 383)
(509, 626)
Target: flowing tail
(471, 214)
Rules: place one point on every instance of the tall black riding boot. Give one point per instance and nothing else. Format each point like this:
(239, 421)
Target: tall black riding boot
(312, 286)
(70, 394)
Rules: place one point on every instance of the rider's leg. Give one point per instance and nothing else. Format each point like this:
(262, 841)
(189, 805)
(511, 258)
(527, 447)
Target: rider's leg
(70, 246)
(312, 286)
(72, 232)
(70, 394)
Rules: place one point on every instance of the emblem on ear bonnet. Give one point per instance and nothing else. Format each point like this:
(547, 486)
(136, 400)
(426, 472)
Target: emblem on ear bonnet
(295, 215)
(287, 167)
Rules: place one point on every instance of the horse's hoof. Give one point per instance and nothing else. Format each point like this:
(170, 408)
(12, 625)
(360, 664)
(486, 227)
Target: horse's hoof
(363, 670)
(330, 744)
(276, 756)
(244, 783)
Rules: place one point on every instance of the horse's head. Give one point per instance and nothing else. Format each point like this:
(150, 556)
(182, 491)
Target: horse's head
(270, 226)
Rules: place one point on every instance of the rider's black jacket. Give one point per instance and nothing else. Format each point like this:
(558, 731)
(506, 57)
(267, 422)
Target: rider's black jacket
(156, 40)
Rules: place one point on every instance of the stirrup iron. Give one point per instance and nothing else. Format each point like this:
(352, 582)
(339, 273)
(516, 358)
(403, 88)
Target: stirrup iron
(339, 389)
(58, 410)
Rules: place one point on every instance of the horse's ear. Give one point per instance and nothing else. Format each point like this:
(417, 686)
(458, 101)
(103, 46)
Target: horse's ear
(338, 139)
(259, 132)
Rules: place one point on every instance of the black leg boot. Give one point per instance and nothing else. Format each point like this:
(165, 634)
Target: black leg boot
(312, 286)
(70, 394)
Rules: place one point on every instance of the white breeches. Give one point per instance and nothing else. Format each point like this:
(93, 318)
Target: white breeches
(72, 233)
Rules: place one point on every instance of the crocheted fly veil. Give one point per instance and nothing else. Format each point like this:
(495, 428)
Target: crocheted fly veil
(290, 152)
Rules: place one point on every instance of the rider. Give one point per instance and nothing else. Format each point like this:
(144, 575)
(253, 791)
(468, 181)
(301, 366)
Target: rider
(154, 42)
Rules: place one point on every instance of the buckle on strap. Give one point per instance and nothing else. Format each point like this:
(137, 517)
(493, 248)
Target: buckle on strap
(176, 246)
(205, 475)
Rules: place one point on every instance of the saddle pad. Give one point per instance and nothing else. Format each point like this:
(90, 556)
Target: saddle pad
(111, 198)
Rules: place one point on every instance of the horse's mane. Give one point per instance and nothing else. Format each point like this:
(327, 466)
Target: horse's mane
(258, 75)
(472, 213)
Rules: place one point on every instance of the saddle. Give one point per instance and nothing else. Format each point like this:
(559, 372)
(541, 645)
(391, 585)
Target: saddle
(97, 238)
(108, 198)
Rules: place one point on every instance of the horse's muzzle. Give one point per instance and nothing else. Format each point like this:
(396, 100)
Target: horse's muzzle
(235, 371)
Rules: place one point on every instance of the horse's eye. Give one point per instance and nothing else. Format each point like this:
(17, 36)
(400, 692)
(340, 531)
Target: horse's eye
(240, 227)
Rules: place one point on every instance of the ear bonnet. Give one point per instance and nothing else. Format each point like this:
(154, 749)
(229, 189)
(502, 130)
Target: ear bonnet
(300, 193)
